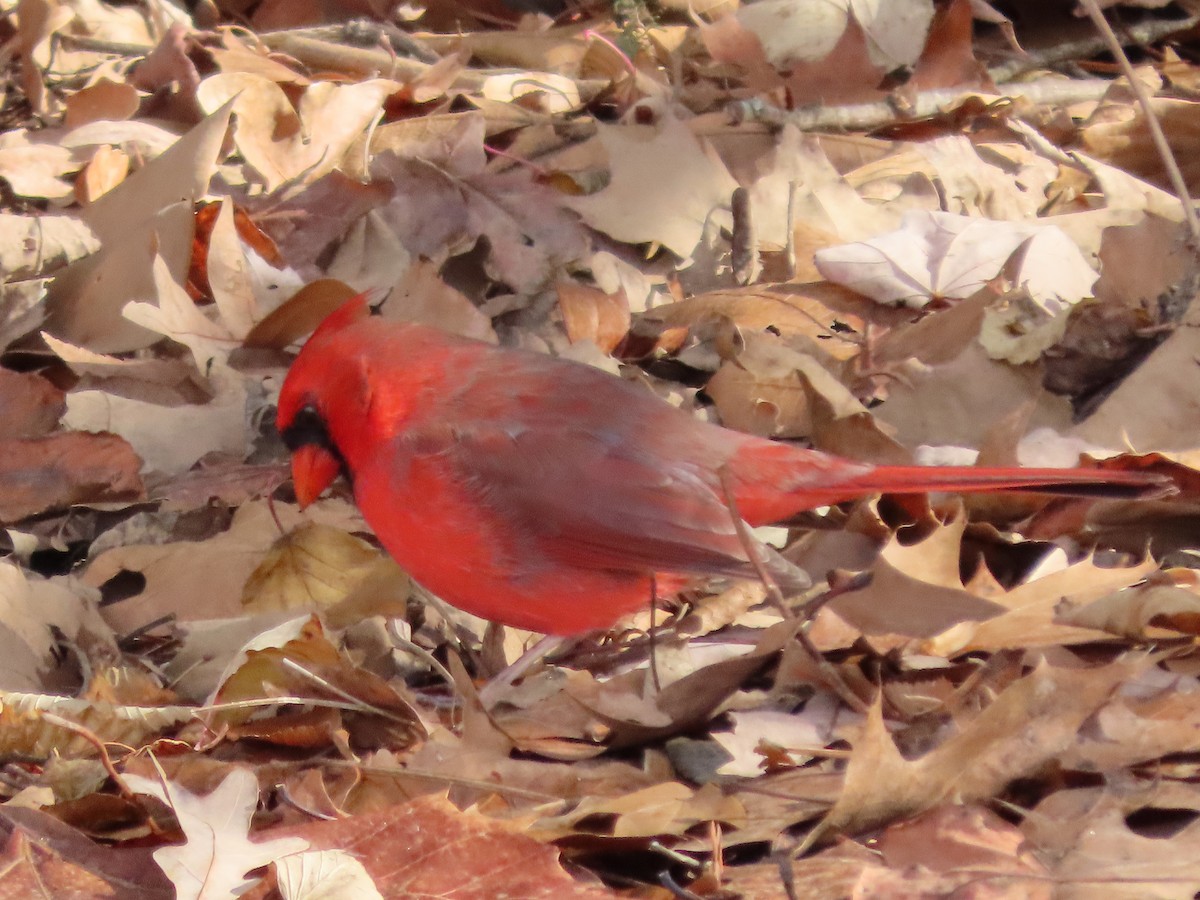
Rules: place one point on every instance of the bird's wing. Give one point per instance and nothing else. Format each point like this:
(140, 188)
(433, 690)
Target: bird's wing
(588, 498)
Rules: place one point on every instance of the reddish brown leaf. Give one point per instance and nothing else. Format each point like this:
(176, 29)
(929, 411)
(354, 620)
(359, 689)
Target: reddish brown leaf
(51, 472)
(591, 314)
(42, 857)
(299, 315)
(429, 848)
(29, 405)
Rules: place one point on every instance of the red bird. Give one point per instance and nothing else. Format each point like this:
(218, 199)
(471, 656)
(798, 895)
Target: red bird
(548, 495)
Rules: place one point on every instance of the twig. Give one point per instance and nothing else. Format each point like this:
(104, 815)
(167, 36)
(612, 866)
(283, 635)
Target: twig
(754, 551)
(1152, 124)
(675, 889)
(744, 244)
(101, 748)
(866, 116)
(102, 45)
(366, 33)
(718, 855)
(329, 56)
(790, 237)
(491, 693)
(1149, 32)
(325, 684)
(421, 653)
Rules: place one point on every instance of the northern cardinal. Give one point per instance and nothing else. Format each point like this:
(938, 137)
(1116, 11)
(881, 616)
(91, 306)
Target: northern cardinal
(548, 495)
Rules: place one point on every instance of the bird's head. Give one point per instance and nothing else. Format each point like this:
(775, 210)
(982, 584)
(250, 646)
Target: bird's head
(323, 394)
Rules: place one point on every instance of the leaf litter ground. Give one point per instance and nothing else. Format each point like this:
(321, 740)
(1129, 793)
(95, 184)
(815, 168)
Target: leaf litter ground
(750, 210)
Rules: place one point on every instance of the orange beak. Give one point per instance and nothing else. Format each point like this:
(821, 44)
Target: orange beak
(313, 470)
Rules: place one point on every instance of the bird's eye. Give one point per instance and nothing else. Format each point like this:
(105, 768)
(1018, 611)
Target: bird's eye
(306, 428)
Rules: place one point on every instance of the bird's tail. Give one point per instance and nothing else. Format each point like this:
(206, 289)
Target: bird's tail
(1106, 483)
(774, 482)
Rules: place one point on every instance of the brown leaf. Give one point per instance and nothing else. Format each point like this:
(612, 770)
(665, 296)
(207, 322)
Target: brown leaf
(107, 169)
(1095, 849)
(1033, 721)
(52, 472)
(194, 580)
(422, 296)
(305, 223)
(168, 64)
(299, 315)
(948, 59)
(951, 837)
(916, 590)
(29, 405)
(591, 314)
(1167, 602)
(141, 216)
(104, 100)
(43, 857)
(428, 848)
(1032, 618)
(304, 663)
(831, 316)
(665, 185)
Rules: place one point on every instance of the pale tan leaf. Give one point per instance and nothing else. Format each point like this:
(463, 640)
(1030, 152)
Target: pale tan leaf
(218, 853)
(324, 875)
(312, 567)
(665, 186)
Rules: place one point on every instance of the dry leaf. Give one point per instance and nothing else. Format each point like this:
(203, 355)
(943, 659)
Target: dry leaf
(312, 567)
(282, 142)
(664, 187)
(58, 470)
(593, 315)
(430, 848)
(218, 854)
(938, 255)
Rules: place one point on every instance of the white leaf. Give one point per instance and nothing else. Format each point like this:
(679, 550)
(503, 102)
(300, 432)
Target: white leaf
(941, 255)
(218, 853)
(324, 875)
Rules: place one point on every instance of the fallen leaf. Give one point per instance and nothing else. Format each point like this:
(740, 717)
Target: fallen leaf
(58, 470)
(422, 296)
(218, 854)
(201, 579)
(664, 187)
(311, 567)
(169, 439)
(36, 169)
(990, 752)
(283, 143)
(29, 405)
(42, 855)
(591, 314)
(938, 255)
(430, 848)
(324, 875)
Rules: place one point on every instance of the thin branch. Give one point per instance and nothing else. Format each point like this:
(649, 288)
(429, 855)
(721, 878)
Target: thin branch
(1152, 124)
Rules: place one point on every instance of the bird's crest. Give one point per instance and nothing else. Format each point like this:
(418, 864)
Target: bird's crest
(353, 310)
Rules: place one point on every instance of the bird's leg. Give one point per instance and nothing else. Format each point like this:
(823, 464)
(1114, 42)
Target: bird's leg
(492, 692)
(807, 614)
(753, 547)
(756, 552)
(650, 636)
(843, 585)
